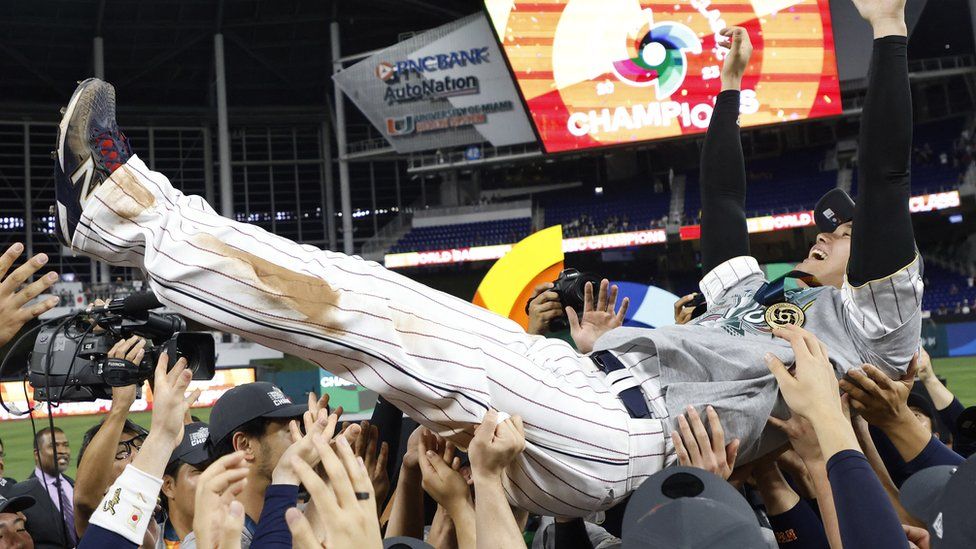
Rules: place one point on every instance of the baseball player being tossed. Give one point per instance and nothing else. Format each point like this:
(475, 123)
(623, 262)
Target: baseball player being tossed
(596, 424)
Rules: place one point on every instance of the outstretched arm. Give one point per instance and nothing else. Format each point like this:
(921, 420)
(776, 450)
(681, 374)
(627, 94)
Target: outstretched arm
(883, 241)
(724, 234)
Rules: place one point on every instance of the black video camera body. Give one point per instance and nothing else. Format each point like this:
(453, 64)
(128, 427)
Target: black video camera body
(70, 363)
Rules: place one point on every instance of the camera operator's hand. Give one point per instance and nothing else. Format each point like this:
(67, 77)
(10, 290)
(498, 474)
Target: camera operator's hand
(682, 309)
(597, 319)
(544, 307)
(14, 299)
(133, 350)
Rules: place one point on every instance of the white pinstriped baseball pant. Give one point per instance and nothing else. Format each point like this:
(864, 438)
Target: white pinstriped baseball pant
(441, 360)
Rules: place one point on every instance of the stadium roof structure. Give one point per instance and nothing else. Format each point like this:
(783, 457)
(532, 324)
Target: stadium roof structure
(160, 53)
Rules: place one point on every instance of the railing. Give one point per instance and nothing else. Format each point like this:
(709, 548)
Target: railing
(459, 158)
(386, 237)
(476, 208)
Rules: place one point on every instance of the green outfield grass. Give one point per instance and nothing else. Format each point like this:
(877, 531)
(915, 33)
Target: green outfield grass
(18, 439)
(960, 374)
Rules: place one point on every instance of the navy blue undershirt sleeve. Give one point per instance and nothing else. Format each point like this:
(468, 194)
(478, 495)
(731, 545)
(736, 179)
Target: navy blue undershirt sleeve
(799, 528)
(97, 537)
(272, 530)
(935, 453)
(950, 416)
(864, 513)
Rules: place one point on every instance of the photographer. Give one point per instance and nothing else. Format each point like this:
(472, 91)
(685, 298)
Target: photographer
(114, 445)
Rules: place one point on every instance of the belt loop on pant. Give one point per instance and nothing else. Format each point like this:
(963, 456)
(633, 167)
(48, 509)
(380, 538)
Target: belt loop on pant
(622, 383)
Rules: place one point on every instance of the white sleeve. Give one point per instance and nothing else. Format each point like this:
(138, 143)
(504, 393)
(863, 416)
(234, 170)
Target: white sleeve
(128, 506)
(885, 314)
(727, 276)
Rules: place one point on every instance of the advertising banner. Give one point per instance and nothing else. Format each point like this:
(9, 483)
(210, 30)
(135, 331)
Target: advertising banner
(446, 87)
(605, 72)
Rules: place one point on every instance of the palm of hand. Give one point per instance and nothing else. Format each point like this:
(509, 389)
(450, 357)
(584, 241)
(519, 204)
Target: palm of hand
(593, 325)
(880, 9)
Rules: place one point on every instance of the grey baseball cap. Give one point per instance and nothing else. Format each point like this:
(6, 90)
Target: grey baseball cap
(16, 504)
(944, 498)
(689, 508)
(405, 543)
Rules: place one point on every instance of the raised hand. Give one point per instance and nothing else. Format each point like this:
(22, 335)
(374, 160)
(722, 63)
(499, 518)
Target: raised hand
(219, 519)
(365, 447)
(802, 437)
(694, 448)
(812, 388)
(737, 40)
(543, 308)
(14, 298)
(345, 504)
(170, 401)
(133, 350)
(883, 402)
(495, 445)
(682, 311)
(599, 317)
(887, 17)
(303, 448)
(442, 477)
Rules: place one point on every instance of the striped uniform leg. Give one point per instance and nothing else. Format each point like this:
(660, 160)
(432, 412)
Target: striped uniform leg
(442, 360)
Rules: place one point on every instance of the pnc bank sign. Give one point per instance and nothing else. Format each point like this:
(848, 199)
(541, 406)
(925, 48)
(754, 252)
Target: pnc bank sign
(391, 72)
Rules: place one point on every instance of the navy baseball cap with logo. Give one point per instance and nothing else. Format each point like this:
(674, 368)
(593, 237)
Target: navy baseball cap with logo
(833, 210)
(16, 504)
(193, 449)
(249, 401)
(943, 497)
(690, 508)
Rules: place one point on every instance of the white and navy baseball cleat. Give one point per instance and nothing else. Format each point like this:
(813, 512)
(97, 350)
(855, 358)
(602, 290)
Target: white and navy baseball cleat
(90, 147)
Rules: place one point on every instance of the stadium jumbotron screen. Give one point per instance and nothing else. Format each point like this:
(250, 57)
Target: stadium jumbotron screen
(607, 72)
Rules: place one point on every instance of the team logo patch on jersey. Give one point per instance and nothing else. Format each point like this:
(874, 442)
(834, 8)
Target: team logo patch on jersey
(780, 315)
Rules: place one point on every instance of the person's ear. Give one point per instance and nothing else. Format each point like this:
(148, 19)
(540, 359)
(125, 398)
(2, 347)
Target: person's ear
(244, 444)
(169, 487)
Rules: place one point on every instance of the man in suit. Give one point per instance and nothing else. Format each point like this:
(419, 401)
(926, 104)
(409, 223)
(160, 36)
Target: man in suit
(6, 483)
(49, 519)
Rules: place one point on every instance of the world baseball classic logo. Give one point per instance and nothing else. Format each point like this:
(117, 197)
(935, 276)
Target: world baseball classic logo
(658, 57)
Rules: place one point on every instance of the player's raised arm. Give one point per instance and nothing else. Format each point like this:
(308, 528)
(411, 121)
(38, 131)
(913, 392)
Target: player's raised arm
(723, 171)
(883, 293)
(882, 240)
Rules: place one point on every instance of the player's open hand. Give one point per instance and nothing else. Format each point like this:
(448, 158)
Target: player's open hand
(14, 299)
(442, 478)
(375, 455)
(811, 390)
(737, 40)
(882, 12)
(345, 505)
(495, 446)
(599, 316)
(219, 519)
(170, 401)
(882, 401)
(544, 307)
(683, 310)
(696, 449)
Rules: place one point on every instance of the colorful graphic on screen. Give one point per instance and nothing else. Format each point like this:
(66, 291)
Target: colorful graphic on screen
(607, 72)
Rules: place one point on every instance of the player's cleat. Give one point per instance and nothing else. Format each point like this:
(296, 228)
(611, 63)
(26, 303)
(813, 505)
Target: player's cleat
(90, 147)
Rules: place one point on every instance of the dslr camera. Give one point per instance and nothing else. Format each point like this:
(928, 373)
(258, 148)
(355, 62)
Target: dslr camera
(69, 361)
(571, 288)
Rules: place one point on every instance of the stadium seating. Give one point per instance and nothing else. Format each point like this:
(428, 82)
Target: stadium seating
(445, 237)
(641, 208)
(945, 289)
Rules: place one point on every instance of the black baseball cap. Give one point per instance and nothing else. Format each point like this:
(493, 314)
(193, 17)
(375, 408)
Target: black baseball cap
(405, 543)
(833, 210)
(193, 449)
(16, 504)
(917, 400)
(689, 508)
(943, 498)
(249, 401)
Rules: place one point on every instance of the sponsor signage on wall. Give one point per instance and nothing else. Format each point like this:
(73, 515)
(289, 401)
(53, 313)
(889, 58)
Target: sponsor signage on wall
(444, 88)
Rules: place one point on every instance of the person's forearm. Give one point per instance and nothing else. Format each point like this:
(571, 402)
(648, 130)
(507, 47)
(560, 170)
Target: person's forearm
(155, 453)
(407, 516)
(776, 493)
(867, 519)
(941, 396)
(127, 508)
(907, 435)
(272, 530)
(465, 525)
(724, 234)
(442, 534)
(883, 240)
(95, 470)
(825, 502)
(493, 518)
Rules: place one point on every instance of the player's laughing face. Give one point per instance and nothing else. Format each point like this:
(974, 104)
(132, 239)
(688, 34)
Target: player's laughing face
(827, 259)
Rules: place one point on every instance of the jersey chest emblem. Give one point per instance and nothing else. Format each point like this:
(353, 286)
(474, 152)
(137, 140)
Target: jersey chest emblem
(779, 315)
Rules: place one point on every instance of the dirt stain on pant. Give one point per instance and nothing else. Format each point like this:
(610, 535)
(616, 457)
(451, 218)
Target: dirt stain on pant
(128, 197)
(307, 295)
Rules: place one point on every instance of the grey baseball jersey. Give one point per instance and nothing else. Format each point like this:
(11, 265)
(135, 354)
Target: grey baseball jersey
(718, 358)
